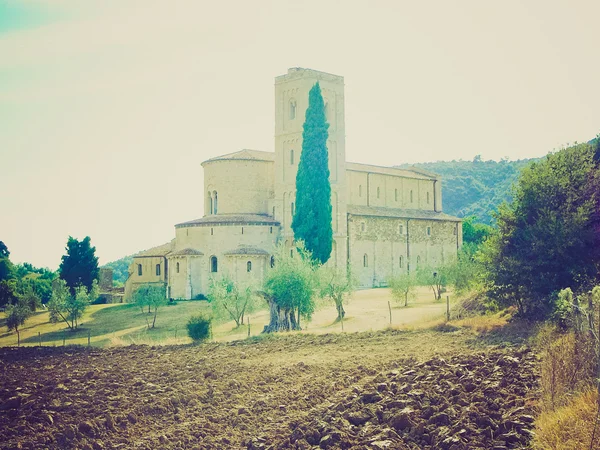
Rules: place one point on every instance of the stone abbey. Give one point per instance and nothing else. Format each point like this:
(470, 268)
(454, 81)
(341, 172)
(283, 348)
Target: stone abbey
(385, 220)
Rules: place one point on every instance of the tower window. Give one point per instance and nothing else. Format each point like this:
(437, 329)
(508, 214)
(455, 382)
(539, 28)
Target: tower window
(428, 231)
(214, 264)
(242, 230)
(215, 202)
(210, 203)
(365, 260)
(158, 269)
(401, 229)
(249, 266)
(400, 262)
(272, 262)
(293, 209)
(211, 231)
(139, 270)
(271, 230)
(177, 267)
(292, 109)
(292, 157)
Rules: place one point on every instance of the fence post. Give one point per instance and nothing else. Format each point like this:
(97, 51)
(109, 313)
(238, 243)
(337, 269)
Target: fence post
(390, 308)
(40, 338)
(248, 325)
(447, 308)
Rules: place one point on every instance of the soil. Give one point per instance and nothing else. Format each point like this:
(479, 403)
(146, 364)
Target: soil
(383, 390)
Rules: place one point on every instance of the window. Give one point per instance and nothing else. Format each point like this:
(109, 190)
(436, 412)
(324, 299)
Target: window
(362, 227)
(378, 190)
(418, 260)
(292, 157)
(210, 202)
(400, 262)
(360, 190)
(215, 202)
(411, 196)
(273, 211)
(158, 269)
(291, 253)
(211, 231)
(272, 262)
(365, 260)
(139, 270)
(292, 109)
(249, 266)
(395, 195)
(242, 230)
(401, 229)
(292, 209)
(428, 231)
(428, 198)
(271, 230)
(214, 264)
(177, 267)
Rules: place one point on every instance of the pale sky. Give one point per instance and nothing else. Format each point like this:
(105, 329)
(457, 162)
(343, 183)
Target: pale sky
(108, 108)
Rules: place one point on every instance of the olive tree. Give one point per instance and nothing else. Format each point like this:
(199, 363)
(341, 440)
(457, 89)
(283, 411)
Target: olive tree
(230, 300)
(153, 296)
(337, 285)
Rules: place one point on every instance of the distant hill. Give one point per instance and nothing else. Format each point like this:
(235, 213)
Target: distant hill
(475, 188)
(120, 267)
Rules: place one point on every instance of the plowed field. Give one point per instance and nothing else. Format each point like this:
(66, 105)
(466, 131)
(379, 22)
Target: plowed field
(379, 390)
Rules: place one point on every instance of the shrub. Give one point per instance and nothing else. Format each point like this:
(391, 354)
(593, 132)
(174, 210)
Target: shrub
(200, 297)
(199, 327)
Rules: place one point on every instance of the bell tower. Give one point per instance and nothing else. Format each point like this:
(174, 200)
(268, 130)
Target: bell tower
(291, 103)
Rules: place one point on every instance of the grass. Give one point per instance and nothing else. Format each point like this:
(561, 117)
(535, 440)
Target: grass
(569, 427)
(124, 324)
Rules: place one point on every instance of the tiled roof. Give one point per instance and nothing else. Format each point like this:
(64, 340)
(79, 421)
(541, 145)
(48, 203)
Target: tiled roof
(399, 213)
(187, 252)
(230, 219)
(161, 250)
(246, 154)
(247, 251)
(410, 172)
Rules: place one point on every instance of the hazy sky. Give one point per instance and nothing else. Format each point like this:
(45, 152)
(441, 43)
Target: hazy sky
(108, 108)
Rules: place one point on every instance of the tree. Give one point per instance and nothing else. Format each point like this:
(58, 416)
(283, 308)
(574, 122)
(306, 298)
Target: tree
(312, 218)
(290, 288)
(437, 277)
(228, 300)
(548, 236)
(29, 297)
(403, 286)
(70, 307)
(16, 315)
(337, 285)
(8, 292)
(79, 267)
(152, 295)
(6, 267)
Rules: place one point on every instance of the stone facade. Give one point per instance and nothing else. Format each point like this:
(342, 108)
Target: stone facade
(385, 220)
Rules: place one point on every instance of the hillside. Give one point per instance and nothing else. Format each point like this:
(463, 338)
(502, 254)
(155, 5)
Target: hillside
(120, 267)
(475, 188)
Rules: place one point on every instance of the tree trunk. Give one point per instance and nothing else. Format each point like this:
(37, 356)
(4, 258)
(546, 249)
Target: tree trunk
(340, 310)
(405, 299)
(154, 320)
(281, 319)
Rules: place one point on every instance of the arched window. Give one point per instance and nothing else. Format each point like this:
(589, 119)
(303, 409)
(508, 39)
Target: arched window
(365, 260)
(362, 227)
(428, 231)
(395, 195)
(139, 270)
(158, 269)
(292, 209)
(400, 262)
(210, 203)
(360, 190)
(401, 229)
(411, 196)
(177, 267)
(378, 191)
(292, 109)
(292, 157)
(214, 264)
(249, 266)
(272, 262)
(215, 202)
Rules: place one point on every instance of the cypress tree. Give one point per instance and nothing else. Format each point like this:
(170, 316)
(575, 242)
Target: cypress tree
(312, 218)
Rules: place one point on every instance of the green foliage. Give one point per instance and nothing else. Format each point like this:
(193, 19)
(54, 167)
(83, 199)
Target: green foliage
(151, 295)
(16, 315)
(337, 285)
(293, 283)
(8, 292)
(199, 327)
(6, 267)
(69, 307)
(79, 267)
(403, 286)
(120, 269)
(29, 297)
(563, 308)
(548, 237)
(475, 188)
(312, 219)
(229, 301)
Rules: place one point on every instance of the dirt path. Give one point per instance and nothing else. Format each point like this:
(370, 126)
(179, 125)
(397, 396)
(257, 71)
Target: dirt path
(277, 392)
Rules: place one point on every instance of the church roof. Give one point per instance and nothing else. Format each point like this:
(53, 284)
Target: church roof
(410, 172)
(230, 219)
(187, 252)
(244, 155)
(358, 210)
(161, 250)
(247, 250)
